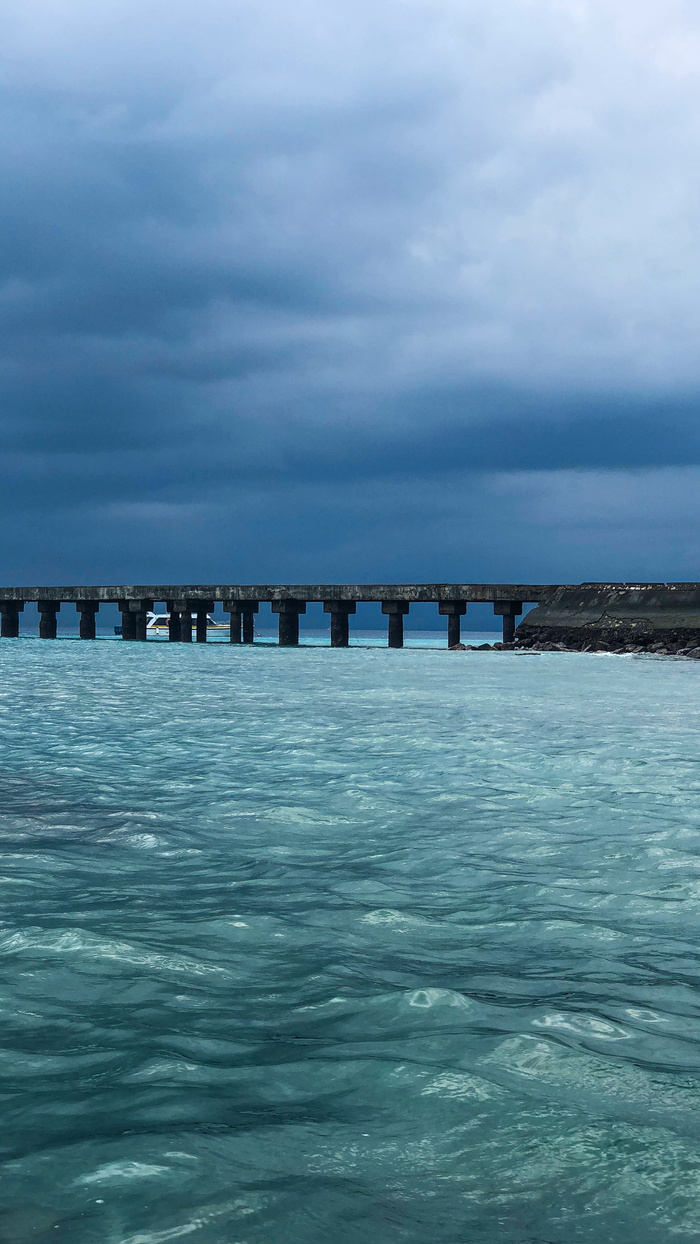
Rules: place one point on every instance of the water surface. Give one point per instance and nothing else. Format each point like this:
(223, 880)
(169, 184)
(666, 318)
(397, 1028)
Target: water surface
(358, 945)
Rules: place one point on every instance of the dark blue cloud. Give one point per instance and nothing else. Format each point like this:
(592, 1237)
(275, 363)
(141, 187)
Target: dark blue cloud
(347, 294)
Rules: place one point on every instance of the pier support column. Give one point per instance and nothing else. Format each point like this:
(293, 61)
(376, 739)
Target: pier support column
(134, 620)
(201, 628)
(184, 610)
(455, 611)
(509, 610)
(249, 609)
(128, 621)
(235, 626)
(288, 611)
(173, 622)
(242, 625)
(140, 624)
(340, 621)
(47, 618)
(200, 608)
(88, 611)
(10, 611)
(396, 609)
(185, 626)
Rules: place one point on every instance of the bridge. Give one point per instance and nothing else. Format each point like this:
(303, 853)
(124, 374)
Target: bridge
(189, 604)
(654, 606)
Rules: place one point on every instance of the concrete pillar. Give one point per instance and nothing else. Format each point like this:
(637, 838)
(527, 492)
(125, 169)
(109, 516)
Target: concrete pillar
(396, 609)
(128, 621)
(173, 622)
(242, 626)
(340, 622)
(134, 618)
(47, 618)
(455, 610)
(140, 624)
(288, 611)
(185, 626)
(235, 623)
(509, 610)
(10, 611)
(185, 609)
(88, 612)
(249, 609)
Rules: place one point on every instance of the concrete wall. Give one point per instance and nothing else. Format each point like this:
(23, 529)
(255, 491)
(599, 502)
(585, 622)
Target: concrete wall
(616, 615)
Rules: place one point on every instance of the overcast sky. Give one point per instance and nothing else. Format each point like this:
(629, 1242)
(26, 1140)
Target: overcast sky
(349, 290)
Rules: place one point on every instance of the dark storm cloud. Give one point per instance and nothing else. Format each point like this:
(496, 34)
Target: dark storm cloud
(395, 250)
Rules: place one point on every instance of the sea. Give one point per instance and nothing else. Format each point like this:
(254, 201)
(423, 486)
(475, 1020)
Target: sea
(360, 946)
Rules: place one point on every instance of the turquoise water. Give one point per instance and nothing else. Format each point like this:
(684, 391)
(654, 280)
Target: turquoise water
(356, 945)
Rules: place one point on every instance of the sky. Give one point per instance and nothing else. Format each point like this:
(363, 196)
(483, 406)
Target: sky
(349, 290)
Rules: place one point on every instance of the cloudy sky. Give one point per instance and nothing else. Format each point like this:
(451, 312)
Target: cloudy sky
(349, 290)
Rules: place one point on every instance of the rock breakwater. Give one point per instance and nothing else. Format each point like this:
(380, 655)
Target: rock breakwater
(662, 619)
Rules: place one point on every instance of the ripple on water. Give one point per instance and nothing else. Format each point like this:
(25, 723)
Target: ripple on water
(378, 946)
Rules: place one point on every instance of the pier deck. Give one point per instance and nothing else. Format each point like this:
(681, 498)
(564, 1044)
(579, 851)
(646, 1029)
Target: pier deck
(188, 605)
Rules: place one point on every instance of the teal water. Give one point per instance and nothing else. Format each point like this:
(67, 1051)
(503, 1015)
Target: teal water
(363, 946)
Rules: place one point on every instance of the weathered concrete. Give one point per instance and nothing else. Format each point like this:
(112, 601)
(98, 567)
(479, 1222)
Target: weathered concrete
(48, 609)
(185, 625)
(128, 622)
(455, 611)
(9, 612)
(411, 592)
(616, 615)
(288, 611)
(242, 624)
(235, 624)
(249, 609)
(396, 609)
(203, 609)
(134, 619)
(87, 610)
(509, 610)
(576, 616)
(174, 622)
(340, 611)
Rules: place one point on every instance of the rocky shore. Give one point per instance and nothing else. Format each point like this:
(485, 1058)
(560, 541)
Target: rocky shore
(578, 643)
(662, 620)
(652, 645)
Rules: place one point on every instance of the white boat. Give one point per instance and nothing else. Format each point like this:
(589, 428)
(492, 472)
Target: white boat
(156, 623)
(161, 621)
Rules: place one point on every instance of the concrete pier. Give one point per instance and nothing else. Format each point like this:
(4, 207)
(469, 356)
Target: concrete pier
(203, 609)
(455, 611)
(288, 611)
(509, 610)
(235, 622)
(584, 615)
(185, 626)
(47, 618)
(250, 608)
(134, 617)
(396, 609)
(340, 611)
(128, 620)
(87, 610)
(174, 622)
(140, 625)
(9, 615)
